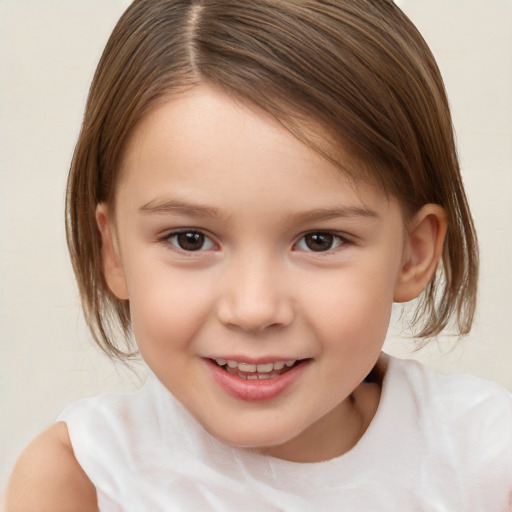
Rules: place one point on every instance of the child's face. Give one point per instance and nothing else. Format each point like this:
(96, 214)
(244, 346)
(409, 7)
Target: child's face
(238, 243)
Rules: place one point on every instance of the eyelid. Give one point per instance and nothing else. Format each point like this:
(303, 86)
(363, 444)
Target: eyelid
(166, 239)
(342, 239)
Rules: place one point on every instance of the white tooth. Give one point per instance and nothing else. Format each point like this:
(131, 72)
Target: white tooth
(232, 364)
(263, 376)
(278, 365)
(221, 362)
(246, 367)
(290, 363)
(252, 377)
(265, 368)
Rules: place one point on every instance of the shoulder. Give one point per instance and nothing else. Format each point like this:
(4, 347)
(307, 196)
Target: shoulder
(457, 397)
(456, 389)
(47, 476)
(468, 415)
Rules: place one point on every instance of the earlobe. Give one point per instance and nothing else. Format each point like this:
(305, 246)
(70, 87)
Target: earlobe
(424, 248)
(112, 266)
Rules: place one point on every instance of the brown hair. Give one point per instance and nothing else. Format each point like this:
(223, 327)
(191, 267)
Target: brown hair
(358, 69)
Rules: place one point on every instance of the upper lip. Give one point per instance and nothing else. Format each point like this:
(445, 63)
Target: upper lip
(255, 360)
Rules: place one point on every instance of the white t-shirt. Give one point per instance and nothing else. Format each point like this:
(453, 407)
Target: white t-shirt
(437, 443)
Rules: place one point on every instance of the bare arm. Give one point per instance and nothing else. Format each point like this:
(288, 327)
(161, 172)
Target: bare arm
(47, 477)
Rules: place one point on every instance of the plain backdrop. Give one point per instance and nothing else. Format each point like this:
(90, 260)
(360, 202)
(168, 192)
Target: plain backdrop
(48, 52)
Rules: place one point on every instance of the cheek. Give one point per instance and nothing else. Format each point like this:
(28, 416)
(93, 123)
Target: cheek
(166, 308)
(353, 310)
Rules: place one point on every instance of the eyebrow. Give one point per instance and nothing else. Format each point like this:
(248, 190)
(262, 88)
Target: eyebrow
(346, 212)
(178, 207)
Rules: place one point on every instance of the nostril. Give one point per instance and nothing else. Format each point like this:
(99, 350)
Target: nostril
(252, 315)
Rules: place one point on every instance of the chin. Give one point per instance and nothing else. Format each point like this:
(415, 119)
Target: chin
(263, 439)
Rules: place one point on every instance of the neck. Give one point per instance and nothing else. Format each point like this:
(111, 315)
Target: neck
(336, 433)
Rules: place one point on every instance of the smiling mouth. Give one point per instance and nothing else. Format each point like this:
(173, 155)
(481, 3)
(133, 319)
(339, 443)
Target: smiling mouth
(251, 371)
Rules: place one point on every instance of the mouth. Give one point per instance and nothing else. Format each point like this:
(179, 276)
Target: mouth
(252, 371)
(256, 381)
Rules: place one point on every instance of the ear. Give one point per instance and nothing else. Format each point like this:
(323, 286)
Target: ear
(423, 250)
(112, 266)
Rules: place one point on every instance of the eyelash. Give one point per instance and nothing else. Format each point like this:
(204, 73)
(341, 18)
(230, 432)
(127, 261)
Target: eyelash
(335, 240)
(168, 239)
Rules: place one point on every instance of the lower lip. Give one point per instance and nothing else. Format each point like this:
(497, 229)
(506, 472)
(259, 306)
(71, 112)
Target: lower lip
(255, 389)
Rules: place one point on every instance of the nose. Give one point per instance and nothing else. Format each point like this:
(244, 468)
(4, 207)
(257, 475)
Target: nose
(255, 295)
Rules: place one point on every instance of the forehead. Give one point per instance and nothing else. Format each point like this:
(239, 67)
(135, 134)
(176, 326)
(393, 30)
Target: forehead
(203, 139)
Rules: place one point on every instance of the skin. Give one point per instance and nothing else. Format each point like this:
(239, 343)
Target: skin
(47, 477)
(254, 289)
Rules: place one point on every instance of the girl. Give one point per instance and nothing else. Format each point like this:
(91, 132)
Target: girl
(254, 185)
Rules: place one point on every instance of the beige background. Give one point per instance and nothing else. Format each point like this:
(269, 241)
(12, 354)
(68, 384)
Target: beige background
(48, 51)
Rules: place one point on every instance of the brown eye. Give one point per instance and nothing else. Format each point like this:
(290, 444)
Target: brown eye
(319, 241)
(190, 241)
